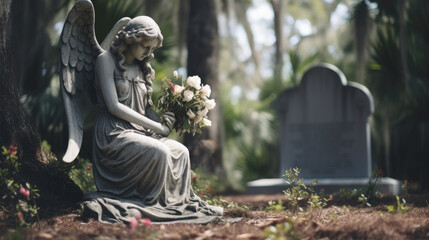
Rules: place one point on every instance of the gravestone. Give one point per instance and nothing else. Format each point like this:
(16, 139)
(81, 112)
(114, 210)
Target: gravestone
(325, 132)
(324, 126)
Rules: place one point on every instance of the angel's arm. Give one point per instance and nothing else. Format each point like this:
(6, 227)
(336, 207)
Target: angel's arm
(104, 72)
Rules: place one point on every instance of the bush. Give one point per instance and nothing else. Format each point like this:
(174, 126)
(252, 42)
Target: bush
(82, 175)
(18, 197)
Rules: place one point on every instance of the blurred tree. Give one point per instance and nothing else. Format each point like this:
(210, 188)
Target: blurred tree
(278, 9)
(34, 53)
(362, 28)
(399, 81)
(203, 46)
(240, 9)
(56, 188)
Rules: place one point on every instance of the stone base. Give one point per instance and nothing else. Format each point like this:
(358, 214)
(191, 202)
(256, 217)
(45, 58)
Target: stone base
(330, 185)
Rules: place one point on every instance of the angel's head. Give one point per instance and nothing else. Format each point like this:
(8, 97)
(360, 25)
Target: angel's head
(138, 39)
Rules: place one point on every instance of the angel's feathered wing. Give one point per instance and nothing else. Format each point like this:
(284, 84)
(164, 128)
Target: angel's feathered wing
(78, 51)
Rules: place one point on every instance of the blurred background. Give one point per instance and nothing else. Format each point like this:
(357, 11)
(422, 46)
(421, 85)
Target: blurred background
(249, 51)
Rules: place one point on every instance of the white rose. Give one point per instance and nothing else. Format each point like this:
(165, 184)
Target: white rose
(176, 75)
(198, 119)
(210, 104)
(206, 91)
(178, 89)
(194, 81)
(191, 114)
(203, 112)
(188, 95)
(206, 122)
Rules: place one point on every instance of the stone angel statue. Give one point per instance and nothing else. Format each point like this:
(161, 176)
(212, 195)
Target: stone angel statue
(137, 169)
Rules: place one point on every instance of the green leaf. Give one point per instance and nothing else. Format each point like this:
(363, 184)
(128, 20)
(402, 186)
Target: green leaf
(391, 208)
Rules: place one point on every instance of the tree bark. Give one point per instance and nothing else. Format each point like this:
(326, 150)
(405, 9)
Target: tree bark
(278, 10)
(15, 129)
(403, 45)
(362, 29)
(202, 42)
(241, 11)
(30, 43)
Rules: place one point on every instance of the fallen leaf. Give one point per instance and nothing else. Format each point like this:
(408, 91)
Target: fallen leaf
(248, 236)
(44, 235)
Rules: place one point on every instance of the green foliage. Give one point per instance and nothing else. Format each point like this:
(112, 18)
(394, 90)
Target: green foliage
(363, 195)
(251, 139)
(273, 206)
(82, 175)
(298, 193)
(364, 200)
(316, 201)
(282, 231)
(399, 81)
(300, 64)
(18, 197)
(400, 206)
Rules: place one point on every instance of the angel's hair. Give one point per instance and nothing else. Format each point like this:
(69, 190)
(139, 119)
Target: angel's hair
(139, 29)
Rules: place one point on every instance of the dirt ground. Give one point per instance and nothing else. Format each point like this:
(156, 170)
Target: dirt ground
(339, 220)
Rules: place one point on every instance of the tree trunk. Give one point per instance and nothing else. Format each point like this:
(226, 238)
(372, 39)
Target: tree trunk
(202, 42)
(362, 26)
(30, 43)
(402, 12)
(241, 11)
(278, 10)
(15, 129)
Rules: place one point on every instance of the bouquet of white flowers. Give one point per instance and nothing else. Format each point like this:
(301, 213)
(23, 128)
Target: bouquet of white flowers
(188, 100)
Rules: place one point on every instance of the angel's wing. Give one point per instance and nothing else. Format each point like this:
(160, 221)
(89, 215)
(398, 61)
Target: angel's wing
(78, 51)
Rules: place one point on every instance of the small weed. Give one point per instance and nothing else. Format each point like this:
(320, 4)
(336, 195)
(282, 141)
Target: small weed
(400, 206)
(273, 206)
(364, 195)
(371, 191)
(332, 216)
(316, 201)
(298, 192)
(364, 200)
(282, 231)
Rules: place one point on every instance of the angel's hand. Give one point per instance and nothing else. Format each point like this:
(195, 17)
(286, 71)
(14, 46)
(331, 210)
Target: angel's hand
(167, 123)
(169, 119)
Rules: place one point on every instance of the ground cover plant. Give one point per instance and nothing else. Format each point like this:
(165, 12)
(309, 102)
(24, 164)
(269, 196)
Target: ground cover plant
(338, 220)
(254, 217)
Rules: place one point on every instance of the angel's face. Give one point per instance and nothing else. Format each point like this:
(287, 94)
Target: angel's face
(143, 49)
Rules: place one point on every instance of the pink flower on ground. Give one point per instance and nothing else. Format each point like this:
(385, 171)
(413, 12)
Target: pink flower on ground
(146, 222)
(194, 178)
(330, 198)
(19, 214)
(24, 192)
(12, 150)
(133, 224)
